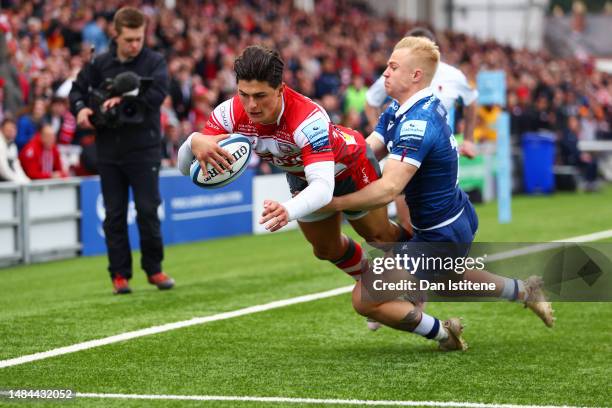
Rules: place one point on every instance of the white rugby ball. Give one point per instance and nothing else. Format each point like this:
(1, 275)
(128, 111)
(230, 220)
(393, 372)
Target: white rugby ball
(239, 147)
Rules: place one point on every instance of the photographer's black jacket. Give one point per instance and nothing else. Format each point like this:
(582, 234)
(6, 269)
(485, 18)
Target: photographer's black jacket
(127, 143)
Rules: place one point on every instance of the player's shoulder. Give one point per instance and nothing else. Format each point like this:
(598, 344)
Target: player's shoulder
(299, 110)
(227, 115)
(393, 106)
(426, 115)
(296, 103)
(426, 107)
(447, 72)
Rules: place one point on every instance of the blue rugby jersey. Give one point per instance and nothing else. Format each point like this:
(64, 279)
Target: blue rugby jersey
(417, 133)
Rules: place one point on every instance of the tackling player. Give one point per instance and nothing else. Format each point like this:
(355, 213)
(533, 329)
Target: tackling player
(450, 85)
(423, 163)
(295, 134)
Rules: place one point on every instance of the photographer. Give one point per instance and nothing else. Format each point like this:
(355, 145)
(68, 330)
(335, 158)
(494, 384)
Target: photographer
(120, 93)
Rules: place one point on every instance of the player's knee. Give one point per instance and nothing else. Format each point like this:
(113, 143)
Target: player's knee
(363, 308)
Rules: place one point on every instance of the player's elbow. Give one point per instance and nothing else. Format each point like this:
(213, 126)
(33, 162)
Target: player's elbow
(327, 195)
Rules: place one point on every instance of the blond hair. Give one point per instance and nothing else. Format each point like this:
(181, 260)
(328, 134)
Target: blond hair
(424, 50)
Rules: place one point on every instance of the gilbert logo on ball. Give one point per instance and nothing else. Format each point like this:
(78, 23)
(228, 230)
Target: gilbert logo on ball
(239, 146)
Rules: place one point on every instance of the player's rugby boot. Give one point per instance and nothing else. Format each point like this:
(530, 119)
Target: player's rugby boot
(535, 299)
(454, 328)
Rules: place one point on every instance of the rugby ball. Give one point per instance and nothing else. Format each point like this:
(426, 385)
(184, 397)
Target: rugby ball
(239, 147)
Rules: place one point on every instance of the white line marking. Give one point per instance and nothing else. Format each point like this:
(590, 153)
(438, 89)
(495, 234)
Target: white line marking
(173, 326)
(312, 401)
(221, 316)
(596, 236)
(522, 251)
(548, 245)
(212, 213)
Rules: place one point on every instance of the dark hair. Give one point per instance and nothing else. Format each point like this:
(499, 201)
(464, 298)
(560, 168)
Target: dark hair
(43, 124)
(260, 64)
(7, 120)
(421, 32)
(129, 17)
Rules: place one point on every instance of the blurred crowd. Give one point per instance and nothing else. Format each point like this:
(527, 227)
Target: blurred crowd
(332, 54)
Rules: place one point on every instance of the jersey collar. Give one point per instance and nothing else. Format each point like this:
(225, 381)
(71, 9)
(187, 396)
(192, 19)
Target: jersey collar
(423, 93)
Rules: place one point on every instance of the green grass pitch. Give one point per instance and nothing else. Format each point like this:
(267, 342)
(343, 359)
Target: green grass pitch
(319, 349)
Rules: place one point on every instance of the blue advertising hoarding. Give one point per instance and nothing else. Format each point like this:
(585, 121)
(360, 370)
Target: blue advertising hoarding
(187, 212)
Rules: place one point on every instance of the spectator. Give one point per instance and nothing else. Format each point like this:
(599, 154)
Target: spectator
(321, 46)
(201, 108)
(328, 82)
(181, 91)
(40, 157)
(572, 156)
(61, 119)
(94, 32)
(485, 130)
(170, 144)
(355, 96)
(12, 98)
(28, 123)
(10, 167)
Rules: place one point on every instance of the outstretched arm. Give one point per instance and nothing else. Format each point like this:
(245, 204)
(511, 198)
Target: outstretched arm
(381, 192)
(320, 190)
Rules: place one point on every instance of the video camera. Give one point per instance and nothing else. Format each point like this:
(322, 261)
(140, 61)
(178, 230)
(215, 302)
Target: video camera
(131, 109)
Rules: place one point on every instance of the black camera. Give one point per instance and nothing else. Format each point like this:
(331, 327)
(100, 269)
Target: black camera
(131, 109)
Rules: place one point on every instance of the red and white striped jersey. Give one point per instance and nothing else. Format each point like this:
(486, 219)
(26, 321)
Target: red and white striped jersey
(302, 134)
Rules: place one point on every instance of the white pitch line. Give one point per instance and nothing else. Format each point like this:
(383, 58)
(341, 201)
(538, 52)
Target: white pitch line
(596, 236)
(539, 247)
(221, 316)
(173, 326)
(381, 403)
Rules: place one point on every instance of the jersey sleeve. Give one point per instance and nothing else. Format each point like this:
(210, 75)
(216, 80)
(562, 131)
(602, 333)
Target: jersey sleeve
(464, 90)
(221, 120)
(413, 139)
(376, 94)
(313, 137)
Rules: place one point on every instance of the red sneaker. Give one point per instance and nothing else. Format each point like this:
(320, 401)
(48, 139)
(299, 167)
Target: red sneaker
(121, 285)
(162, 281)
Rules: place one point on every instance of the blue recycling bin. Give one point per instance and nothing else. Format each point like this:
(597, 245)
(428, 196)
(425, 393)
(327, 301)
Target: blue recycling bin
(538, 161)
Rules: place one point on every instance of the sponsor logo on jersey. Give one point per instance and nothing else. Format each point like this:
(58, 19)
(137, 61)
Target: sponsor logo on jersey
(428, 103)
(349, 139)
(413, 127)
(317, 134)
(364, 176)
(287, 148)
(283, 134)
(441, 110)
(213, 125)
(224, 116)
(247, 129)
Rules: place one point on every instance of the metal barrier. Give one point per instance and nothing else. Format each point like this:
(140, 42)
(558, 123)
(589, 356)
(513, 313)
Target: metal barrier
(39, 221)
(11, 226)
